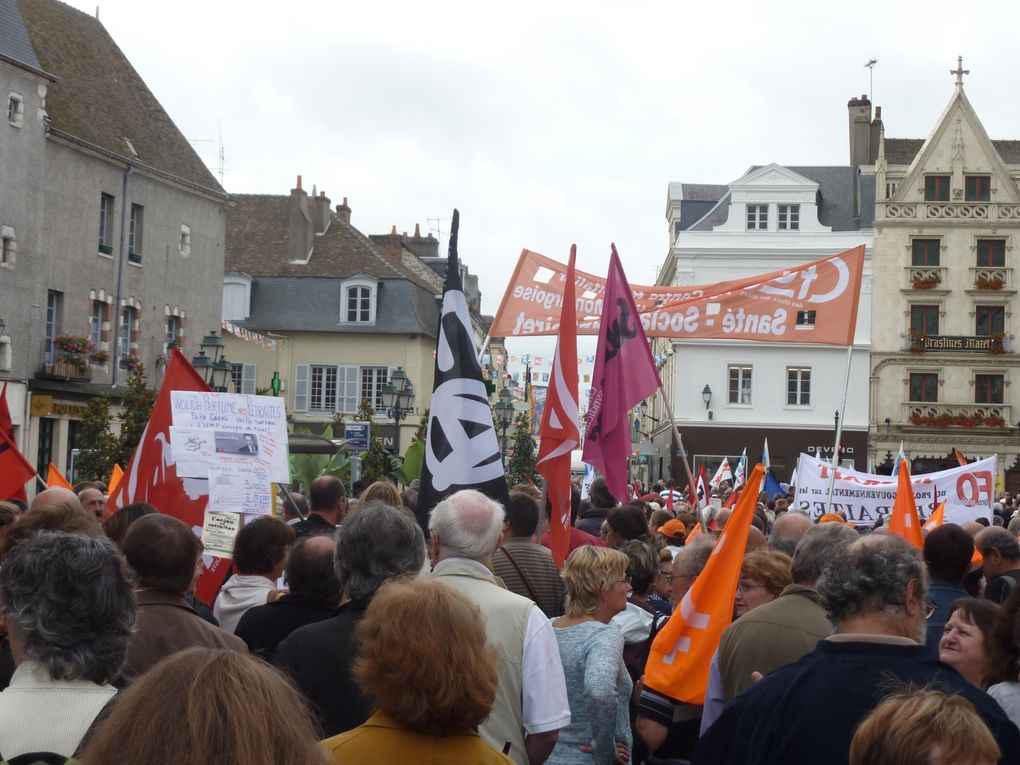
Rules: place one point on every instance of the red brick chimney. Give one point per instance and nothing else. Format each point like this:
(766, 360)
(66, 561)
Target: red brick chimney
(343, 212)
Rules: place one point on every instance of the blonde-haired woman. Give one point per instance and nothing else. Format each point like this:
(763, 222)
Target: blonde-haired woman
(598, 686)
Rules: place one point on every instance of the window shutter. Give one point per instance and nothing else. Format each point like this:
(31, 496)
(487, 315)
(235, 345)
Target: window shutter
(248, 379)
(301, 388)
(348, 394)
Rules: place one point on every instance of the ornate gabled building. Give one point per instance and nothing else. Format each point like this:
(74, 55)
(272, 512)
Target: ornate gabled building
(111, 226)
(944, 354)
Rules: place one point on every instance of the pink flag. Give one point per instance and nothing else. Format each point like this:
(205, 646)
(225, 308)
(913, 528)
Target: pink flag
(624, 375)
(559, 431)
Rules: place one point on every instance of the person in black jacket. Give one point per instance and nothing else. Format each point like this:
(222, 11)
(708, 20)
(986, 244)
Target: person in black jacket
(601, 503)
(313, 596)
(375, 543)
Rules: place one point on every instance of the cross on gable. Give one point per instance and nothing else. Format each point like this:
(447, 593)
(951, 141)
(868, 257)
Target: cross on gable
(959, 71)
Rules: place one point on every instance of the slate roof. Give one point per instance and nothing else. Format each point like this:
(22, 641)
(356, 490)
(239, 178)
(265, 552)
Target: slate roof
(99, 97)
(14, 43)
(257, 235)
(901, 151)
(312, 304)
(836, 188)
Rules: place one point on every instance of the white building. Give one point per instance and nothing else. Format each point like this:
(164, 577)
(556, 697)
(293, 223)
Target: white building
(728, 395)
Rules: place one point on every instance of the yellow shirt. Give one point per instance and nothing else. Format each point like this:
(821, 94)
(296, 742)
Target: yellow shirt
(382, 741)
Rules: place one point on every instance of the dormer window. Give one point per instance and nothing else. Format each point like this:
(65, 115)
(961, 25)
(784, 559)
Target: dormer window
(789, 217)
(236, 297)
(358, 301)
(757, 217)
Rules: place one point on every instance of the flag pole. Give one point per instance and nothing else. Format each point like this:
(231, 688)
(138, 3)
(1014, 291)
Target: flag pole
(483, 346)
(683, 454)
(839, 428)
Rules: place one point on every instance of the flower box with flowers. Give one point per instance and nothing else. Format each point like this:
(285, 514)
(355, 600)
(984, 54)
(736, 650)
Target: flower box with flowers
(926, 281)
(989, 281)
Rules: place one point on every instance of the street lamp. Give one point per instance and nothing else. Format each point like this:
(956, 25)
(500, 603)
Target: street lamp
(397, 397)
(211, 363)
(504, 413)
(706, 395)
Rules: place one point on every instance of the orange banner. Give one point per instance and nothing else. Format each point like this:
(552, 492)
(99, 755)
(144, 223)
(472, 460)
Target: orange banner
(813, 303)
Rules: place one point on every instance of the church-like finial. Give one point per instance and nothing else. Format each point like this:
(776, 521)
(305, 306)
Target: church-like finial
(959, 71)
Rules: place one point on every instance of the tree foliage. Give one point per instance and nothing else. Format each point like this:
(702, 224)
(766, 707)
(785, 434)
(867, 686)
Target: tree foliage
(521, 467)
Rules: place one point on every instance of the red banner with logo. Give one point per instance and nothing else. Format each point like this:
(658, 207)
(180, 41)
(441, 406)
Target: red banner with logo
(812, 303)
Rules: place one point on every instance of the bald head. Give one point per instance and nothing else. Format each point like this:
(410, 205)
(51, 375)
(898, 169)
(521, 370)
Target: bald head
(787, 531)
(327, 497)
(755, 540)
(973, 528)
(721, 517)
(54, 497)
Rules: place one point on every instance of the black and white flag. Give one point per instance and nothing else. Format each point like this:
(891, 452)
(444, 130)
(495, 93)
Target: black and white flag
(461, 448)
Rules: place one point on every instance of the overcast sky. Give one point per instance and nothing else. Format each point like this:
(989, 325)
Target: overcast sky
(547, 123)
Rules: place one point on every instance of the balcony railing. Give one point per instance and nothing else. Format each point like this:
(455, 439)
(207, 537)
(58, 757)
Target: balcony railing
(991, 278)
(926, 277)
(66, 368)
(980, 212)
(936, 415)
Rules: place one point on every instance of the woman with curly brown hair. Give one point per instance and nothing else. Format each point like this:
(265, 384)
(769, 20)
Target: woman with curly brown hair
(207, 705)
(430, 690)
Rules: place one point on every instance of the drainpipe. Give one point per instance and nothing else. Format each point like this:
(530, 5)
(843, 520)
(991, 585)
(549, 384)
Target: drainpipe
(120, 274)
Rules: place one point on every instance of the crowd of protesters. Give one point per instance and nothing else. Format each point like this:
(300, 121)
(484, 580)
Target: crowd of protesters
(357, 629)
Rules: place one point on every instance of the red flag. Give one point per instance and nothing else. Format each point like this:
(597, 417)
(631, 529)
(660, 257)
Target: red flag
(559, 430)
(15, 470)
(7, 427)
(151, 475)
(669, 499)
(701, 500)
(624, 375)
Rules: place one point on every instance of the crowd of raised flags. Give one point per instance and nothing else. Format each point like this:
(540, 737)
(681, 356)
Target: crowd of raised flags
(462, 452)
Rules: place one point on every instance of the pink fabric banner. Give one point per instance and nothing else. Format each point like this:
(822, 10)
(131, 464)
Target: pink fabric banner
(624, 375)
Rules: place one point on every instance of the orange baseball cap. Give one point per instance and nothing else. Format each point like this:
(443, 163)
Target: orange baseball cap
(832, 518)
(673, 529)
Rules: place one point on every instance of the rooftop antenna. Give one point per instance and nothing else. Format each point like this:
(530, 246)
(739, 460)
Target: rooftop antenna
(871, 77)
(219, 148)
(434, 226)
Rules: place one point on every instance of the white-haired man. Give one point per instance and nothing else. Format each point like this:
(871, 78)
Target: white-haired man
(531, 694)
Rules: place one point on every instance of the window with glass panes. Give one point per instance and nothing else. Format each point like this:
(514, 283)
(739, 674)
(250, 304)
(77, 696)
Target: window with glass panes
(977, 188)
(740, 385)
(924, 386)
(798, 386)
(991, 253)
(788, 217)
(322, 389)
(359, 304)
(96, 322)
(924, 252)
(988, 389)
(936, 188)
(924, 319)
(989, 319)
(757, 217)
(372, 380)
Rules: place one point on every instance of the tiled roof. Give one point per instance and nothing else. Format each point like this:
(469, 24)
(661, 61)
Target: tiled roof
(99, 97)
(901, 151)
(14, 44)
(257, 234)
(312, 304)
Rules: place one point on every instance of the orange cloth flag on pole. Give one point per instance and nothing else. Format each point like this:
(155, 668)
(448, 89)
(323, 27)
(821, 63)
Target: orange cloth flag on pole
(55, 478)
(678, 662)
(937, 518)
(904, 521)
(115, 476)
(15, 470)
(694, 532)
(560, 429)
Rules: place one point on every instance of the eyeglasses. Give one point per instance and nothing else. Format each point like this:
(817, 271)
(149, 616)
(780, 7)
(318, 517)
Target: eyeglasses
(667, 574)
(625, 580)
(748, 586)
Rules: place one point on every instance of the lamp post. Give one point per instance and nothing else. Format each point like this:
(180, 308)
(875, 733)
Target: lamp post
(397, 397)
(211, 363)
(706, 396)
(504, 414)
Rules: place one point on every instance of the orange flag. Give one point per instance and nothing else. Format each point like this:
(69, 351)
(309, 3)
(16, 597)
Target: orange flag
(678, 662)
(115, 476)
(904, 521)
(937, 518)
(694, 532)
(55, 478)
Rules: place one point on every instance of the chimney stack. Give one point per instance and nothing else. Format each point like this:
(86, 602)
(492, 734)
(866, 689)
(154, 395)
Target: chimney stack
(875, 135)
(417, 231)
(860, 131)
(299, 226)
(321, 212)
(343, 212)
